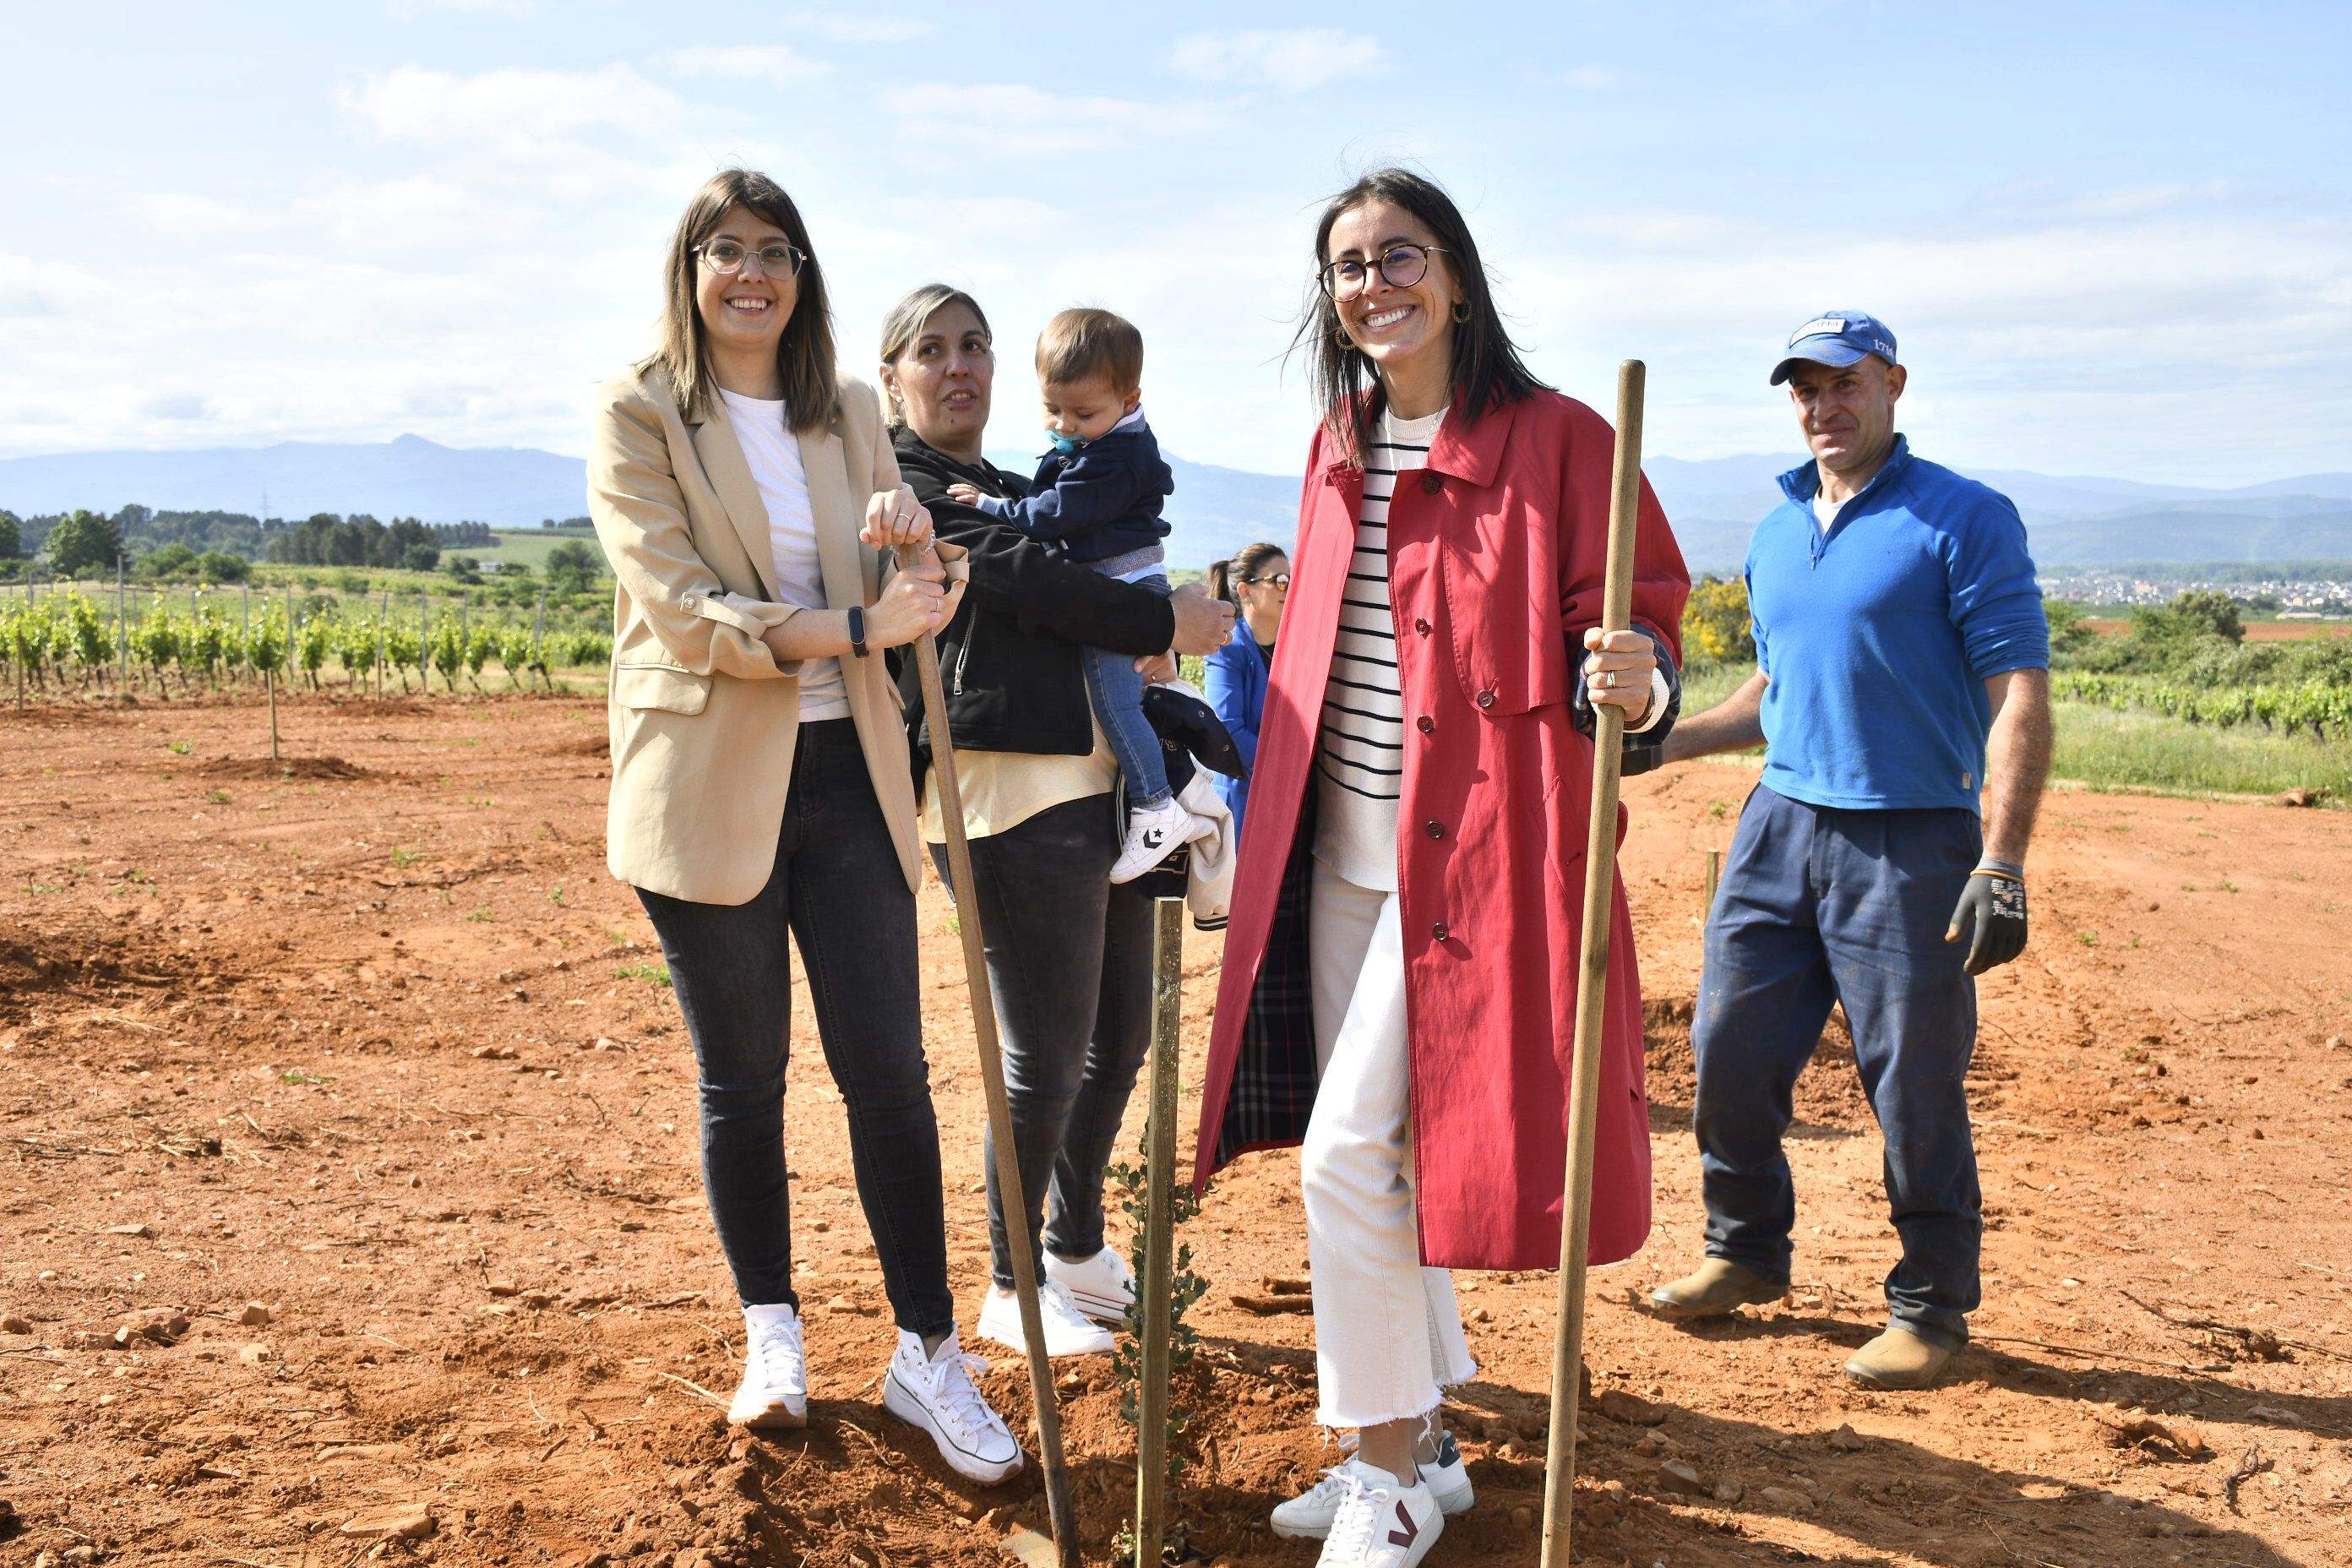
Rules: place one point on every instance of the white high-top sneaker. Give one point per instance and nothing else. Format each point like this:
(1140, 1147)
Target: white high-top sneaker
(1380, 1522)
(1100, 1286)
(936, 1393)
(1068, 1331)
(775, 1391)
(1307, 1516)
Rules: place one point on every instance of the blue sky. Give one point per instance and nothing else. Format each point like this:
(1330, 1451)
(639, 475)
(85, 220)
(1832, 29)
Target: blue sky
(2112, 238)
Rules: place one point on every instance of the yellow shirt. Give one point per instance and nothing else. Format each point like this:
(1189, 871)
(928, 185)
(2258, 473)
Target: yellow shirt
(1002, 790)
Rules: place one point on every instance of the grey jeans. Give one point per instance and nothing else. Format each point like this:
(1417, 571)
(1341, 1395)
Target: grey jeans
(1070, 965)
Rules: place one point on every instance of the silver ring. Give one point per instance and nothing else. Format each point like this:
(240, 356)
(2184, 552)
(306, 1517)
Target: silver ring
(1609, 680)
(906, 517)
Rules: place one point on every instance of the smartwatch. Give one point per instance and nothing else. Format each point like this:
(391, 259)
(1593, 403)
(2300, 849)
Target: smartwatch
(858, 630)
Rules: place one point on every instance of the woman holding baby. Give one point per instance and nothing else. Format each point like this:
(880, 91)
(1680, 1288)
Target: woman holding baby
(1069, 954)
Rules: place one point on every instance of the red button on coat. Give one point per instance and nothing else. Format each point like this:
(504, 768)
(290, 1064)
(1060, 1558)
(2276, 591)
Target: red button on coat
(1438, 930)
(1431, 484)
(1423, 724)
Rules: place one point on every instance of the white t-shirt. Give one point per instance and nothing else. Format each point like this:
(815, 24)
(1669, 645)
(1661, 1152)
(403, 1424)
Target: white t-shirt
(763, 429)
(1360, 745)
(1825, 510)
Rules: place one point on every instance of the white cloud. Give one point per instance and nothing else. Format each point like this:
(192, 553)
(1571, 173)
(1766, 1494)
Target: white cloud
(1285, 59)
(175, 406)
(1591, 78)
(507, 107)
(839, 28)
(771, 63)
(1016, 119)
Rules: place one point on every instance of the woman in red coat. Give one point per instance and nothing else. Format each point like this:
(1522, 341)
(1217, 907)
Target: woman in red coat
(1400, 972)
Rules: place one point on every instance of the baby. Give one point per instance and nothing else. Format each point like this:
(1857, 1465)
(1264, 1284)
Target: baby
(1095, 498)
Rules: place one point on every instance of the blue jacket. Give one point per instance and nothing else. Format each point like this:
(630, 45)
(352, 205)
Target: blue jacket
(1234, 679)
(1878, 637)
(1098, 502)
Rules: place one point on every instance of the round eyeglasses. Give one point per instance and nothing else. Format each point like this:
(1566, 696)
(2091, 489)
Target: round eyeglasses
(728, 256)
(1401, 265)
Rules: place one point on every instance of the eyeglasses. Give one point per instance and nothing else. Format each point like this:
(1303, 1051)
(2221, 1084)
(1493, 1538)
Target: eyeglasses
(1280, 580)
(1401, 265)
(726, 256)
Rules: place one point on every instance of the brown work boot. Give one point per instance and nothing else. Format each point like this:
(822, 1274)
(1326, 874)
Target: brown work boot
(1898, 1358)
(1715, 1288)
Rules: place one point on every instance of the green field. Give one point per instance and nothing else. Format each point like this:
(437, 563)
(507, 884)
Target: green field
(525, 546)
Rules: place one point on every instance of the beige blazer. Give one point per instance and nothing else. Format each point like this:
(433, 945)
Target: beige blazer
(703, 717)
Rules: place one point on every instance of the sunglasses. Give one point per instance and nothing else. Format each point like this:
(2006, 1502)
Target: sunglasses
(1281, 581)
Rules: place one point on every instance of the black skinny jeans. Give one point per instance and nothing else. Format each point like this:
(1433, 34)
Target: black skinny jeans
(837, 890)
(1070, 965)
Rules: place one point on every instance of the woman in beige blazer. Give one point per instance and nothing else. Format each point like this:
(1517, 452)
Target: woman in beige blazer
(760, 788)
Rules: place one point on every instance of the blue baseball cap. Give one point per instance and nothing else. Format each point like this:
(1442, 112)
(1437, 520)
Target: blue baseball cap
(1837, 338)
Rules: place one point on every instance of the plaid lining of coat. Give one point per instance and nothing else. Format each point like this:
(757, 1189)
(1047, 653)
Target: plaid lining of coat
(1273, 1091)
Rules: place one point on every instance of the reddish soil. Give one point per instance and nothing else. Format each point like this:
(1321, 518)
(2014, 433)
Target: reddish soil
(374, 1045)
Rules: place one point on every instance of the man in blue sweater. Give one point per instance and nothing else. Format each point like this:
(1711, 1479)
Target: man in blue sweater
(1903, 679)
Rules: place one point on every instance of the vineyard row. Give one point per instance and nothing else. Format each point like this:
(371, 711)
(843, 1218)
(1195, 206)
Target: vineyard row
(67, 642)
(2320, 707)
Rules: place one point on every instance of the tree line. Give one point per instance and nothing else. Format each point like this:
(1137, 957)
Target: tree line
(83, 542)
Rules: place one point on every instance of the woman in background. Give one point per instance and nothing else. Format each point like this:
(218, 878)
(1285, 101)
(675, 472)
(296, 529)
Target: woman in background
(1255, 581)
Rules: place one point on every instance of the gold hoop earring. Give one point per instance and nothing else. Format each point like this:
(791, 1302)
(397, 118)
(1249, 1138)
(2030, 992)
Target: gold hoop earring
(1342, 338)
(1461, 309)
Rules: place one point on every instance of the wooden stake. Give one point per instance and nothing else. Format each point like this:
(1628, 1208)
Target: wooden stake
(269, 682)
(1714, 880)
(1593, 984)
(1153, 1290)
(1058, 1507)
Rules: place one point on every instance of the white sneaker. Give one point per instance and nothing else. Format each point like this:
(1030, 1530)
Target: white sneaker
(1153, 834)
(1380, 1522)
(1068, 1331)
(774, 1392)
(1307, 1516)
(1101, 1286)
(937, 1394)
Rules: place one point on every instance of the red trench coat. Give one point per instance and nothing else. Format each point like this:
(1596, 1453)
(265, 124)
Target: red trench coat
(1495, 560)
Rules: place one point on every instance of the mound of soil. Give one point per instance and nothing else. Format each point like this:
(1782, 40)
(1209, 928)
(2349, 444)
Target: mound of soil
(285, 768)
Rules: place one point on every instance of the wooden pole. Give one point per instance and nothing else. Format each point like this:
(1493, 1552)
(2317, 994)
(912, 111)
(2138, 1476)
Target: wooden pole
(1058, 1507)
(1153, 1290)
(1592, 985)
(1714, 880)
(121, 631)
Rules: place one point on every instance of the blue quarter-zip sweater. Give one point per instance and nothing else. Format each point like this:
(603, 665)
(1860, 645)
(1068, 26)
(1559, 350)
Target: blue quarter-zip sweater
(1878, 637)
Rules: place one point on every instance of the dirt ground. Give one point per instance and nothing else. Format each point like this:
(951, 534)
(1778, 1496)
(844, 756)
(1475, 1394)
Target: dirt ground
(350, 1209)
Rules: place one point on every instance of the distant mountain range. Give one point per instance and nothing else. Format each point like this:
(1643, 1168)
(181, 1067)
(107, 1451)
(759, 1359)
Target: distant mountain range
(2074, 521)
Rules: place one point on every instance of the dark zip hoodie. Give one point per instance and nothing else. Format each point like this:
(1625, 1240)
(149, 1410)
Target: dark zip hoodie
(1010, 659)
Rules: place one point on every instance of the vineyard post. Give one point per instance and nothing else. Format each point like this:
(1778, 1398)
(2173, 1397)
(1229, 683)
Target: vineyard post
(383, 623)
(121, 631)
(245, 622)
(1713, 878)
(425, 640)
(1159, 1233)
(464, 599)
(537, 630)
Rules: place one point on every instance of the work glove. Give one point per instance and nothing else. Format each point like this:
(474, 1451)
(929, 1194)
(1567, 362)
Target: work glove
(1991, 916)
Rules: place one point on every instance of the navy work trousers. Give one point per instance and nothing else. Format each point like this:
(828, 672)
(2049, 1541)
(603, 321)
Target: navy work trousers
(1817, 906)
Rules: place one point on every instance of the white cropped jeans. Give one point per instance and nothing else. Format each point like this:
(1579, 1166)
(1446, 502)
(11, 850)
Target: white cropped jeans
(1388, 1333)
